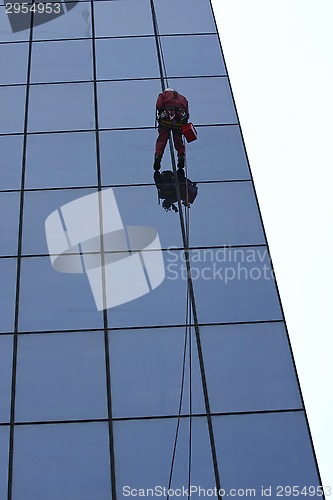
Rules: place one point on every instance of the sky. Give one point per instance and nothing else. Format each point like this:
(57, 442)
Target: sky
(279, 55)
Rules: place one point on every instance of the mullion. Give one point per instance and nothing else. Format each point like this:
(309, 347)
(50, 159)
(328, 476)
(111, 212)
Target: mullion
(156, 417)
(148, 327)
(200, 125)
(106, 80)
(105, 37)
(105, 312)
(143, 184)
(18, 272)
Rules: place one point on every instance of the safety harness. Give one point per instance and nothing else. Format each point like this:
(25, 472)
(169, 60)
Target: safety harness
(172, 118)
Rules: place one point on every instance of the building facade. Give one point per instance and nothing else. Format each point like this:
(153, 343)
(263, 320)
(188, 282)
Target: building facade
(193, 384)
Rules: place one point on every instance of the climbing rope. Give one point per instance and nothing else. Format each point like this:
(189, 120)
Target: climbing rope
(191, 304)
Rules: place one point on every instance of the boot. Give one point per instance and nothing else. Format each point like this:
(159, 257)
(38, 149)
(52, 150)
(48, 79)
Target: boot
(181, 161)
(157, 162)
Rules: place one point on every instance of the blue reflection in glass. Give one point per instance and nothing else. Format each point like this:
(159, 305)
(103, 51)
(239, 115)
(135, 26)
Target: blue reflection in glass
(225, 214)
(210, 99)
(76, 23)
(7, 294)
(127, 156)
(6, 359)
(62, 61)
(9, 209)
(14, 57)
(69, 159)
(113, 19)
(12, 105)
(76, 453)
(38, 205)
(4, 452)
(148, 310)
(139, 206)
(119, 106)
(249, 367)
(151, 383)
(51, 300)
(143, 451)
(192, 16)
(119, 58)
(264, 449)
(218, 154)
(11, 161)
(61, 376)
(192, 55)
(61, 107)
(7, 34)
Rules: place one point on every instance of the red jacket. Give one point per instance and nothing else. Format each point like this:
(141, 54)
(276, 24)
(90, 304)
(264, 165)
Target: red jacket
(166, 99)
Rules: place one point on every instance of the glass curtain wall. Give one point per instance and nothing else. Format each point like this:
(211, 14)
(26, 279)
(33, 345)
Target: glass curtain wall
(192, 384)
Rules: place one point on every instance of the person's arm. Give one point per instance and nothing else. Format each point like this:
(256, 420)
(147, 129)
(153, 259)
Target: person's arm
(160, 103)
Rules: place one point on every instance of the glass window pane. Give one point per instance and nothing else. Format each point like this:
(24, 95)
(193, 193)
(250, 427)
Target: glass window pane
(210, 99)
(151, 384)
(6, 360)
(138, 206)
(9, 209)
(12, 105)
(61, 376)
(119, 58)
(7, 294)
(55, 301)
(264, 450)
(113, 19)
(13, 57)
(61, 61)
(230, 284)
(76, 453)
(38, 205)
(143, 451)
(4, 453)
(147, 309)
(127, 156)
(193, 16)
(137, 112)
(61, 160)
(61, 107)
(74, 22)
(249, 368)
(11, 161)
(11, 30)
(192, 55)
(218, 154)
(239, 220)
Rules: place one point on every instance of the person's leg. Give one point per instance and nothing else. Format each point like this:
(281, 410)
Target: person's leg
(161, 141)
(180, 148)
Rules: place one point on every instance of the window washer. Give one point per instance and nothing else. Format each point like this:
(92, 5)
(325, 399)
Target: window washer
(172, 113)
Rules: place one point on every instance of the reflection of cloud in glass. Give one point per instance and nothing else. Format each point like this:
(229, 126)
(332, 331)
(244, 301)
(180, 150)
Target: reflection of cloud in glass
(87, 235)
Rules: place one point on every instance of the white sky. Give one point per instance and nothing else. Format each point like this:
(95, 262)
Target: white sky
(279, 54)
